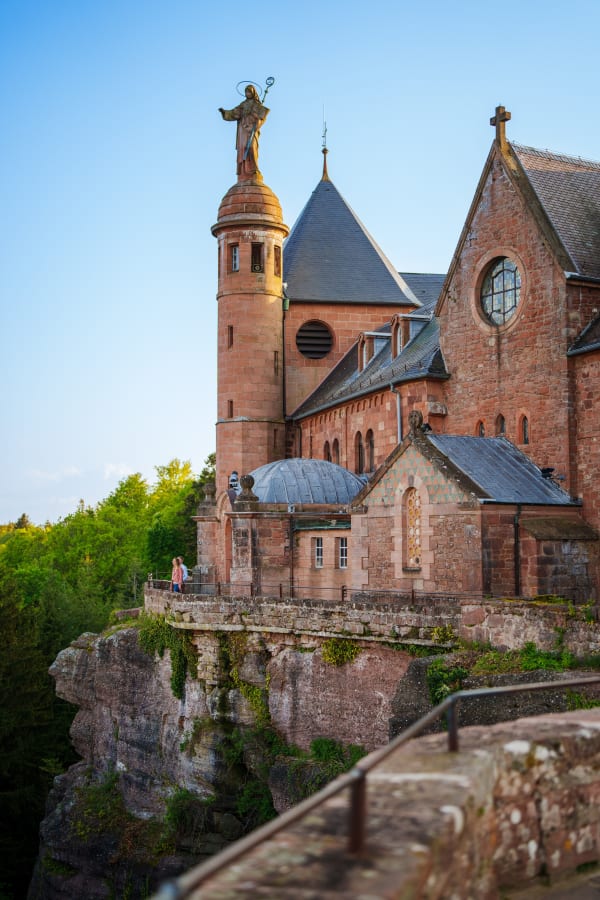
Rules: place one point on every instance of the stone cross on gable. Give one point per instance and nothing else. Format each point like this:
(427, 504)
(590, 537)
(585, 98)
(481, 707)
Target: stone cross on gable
(499, 120)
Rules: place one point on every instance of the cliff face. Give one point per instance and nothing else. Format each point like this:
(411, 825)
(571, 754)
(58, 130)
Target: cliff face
(163, 781)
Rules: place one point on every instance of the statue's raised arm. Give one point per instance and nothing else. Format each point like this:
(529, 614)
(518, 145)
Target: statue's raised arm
(250, 116)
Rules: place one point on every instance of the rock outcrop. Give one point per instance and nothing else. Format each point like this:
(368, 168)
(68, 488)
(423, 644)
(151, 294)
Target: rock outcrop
(109, 818)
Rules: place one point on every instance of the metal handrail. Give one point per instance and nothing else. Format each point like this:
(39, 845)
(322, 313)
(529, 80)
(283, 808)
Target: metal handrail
(356, 781)
(282, 590)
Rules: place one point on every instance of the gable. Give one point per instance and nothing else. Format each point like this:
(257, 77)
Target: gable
(407, 466)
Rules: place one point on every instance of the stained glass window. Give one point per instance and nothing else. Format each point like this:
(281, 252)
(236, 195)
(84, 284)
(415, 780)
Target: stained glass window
(413, 528)
(501, 291)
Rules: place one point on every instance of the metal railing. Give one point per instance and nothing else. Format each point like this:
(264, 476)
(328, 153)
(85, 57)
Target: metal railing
(284, 591)
(356, 781)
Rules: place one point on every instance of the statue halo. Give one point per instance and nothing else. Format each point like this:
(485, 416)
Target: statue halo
(255, 83)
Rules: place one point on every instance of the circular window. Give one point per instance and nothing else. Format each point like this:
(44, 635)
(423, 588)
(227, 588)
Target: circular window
(500, 291)
(314, 340)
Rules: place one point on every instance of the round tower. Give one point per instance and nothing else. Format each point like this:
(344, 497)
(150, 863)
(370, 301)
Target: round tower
(250, 380)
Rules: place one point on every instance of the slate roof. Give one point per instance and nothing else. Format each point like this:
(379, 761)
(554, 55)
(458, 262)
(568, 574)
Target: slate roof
(305, 481)
(426, 287)
(500, 470)
(421, 357)
(569, 190)
(330, 257)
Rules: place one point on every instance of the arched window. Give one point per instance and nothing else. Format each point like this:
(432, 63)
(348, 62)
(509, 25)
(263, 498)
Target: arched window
(327, 452)
(524, 430)
(335, 452)
(359, 453)
(480, 429)
(370, 450)
(411, 503)
(500, 425)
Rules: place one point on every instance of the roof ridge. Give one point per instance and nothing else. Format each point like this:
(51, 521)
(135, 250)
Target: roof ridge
(552, 154)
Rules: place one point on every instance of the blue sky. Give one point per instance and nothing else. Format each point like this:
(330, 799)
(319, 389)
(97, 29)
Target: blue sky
(114, 159)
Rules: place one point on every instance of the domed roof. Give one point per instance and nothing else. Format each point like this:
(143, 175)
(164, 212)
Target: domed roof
(248, 203)
(305, 481)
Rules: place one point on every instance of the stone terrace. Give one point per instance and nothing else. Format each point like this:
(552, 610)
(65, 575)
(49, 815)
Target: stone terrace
(506, 624)
(518, 803)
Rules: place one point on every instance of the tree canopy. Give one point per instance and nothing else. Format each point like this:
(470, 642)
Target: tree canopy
(56, 582)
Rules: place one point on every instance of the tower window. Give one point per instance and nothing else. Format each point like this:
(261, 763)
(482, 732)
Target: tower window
(335, 452)
(327, 452)
(480, 429)
(230, 336)
(257, 263)
(234, 257)
(276, 362)
(500, 425)
(524, 430)
(230, 409)
(277, 261)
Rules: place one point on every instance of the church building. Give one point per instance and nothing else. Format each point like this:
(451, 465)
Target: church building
(385, 431)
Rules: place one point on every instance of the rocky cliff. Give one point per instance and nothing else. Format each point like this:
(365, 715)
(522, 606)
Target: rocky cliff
(165, 781)
(189, 738)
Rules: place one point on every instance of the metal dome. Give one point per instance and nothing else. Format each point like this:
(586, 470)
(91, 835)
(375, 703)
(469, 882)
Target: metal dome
(305, 481)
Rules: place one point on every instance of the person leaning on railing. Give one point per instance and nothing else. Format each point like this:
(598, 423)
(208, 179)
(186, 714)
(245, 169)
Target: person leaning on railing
(177, 577)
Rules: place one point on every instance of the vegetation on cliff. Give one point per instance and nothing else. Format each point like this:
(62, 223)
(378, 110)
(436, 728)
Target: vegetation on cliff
(56, 582)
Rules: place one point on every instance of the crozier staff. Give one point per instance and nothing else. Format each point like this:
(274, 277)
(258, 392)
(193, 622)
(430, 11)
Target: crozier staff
(250, 116)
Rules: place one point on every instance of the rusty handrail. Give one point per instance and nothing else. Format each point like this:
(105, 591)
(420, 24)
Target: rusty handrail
(356, 781)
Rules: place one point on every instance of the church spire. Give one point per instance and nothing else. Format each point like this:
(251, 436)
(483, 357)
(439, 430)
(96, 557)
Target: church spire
(325, 151)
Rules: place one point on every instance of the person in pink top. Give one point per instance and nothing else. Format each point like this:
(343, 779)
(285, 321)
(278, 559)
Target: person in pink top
(176, 577)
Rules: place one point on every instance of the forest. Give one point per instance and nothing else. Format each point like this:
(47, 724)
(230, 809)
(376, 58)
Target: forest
(56, 582)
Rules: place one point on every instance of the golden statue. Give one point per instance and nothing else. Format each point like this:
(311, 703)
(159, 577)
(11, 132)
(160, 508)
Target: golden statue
(250, 116)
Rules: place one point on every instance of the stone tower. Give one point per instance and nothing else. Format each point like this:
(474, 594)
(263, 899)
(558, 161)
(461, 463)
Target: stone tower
(250, 383)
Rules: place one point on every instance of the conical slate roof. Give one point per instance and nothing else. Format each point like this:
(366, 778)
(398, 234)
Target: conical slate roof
(330, 257)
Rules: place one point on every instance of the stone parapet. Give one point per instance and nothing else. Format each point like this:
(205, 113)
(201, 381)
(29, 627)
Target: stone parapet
(518, 803)
(505, 624)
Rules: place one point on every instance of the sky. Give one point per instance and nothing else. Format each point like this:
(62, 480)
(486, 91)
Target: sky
(114, 159)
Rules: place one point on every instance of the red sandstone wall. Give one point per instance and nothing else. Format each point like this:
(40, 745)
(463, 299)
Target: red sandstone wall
(346, 321)
(377, 412)
(520, 368)
(586, 369)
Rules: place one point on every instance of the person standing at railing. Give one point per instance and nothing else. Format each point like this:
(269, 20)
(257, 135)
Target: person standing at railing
(176, 577)
(184, 568)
